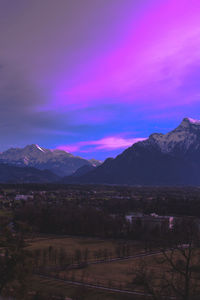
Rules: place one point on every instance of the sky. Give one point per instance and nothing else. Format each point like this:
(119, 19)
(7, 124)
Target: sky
(93, 77)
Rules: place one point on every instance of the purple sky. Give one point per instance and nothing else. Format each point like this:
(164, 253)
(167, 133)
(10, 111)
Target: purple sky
(95, 76)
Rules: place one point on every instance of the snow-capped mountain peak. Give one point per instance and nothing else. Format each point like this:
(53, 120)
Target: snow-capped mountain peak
(193, 121)
(33, 147)
(187, 122)
(182, 138)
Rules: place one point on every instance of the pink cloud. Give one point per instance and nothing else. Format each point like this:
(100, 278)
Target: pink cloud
(107, 143)
(163, 42)
(69, 148)
(113, 142)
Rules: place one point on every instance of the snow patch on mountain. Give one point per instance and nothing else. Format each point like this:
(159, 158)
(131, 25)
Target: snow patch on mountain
(26, 160)
(183, 137)
(194, 121)
(38, 147)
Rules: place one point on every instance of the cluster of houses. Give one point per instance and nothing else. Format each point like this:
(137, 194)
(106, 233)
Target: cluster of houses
(161, 223)
(24, 197)
(152, 221)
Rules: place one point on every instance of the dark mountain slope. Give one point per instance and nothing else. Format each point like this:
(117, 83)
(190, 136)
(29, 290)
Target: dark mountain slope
(170, 159)
(14, 174)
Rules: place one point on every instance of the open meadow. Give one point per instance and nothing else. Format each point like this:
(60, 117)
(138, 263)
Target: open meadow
(127, 274)
(93, 248)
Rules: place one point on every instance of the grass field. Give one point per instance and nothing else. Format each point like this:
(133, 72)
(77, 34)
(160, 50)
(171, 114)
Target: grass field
(119, 274)
(96, 247)
(116, 274)
(58, 288)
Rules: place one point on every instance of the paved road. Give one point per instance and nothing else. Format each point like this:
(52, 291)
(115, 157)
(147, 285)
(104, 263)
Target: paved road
(139, 255)
(77, 283)
(99, 287)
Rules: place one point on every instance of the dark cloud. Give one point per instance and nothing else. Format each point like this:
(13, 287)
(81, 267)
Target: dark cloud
(20, 120)
(42, 44)
(19, 98)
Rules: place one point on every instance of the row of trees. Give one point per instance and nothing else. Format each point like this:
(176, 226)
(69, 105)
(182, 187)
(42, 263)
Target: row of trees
(70, 219)
(58, 258)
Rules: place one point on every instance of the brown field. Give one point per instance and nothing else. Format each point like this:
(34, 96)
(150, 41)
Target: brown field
(71, 244)
(53, 287)
(121, 274)
(118, 274)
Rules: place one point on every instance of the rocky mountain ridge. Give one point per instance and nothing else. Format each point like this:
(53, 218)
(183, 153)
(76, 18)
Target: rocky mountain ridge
(57, 161)
(162, 159)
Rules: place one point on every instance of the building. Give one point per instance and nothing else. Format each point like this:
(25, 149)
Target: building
(23, 197)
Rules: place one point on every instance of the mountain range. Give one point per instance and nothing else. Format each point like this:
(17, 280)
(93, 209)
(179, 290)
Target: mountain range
(162, 159)
(57, 161)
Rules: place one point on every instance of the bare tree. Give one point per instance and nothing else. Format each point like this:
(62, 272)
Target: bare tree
(175, 272)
